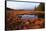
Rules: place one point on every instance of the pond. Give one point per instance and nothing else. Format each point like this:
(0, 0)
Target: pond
(28, 16)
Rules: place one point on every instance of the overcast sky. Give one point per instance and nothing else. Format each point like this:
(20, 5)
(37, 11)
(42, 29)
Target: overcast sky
(21, 5)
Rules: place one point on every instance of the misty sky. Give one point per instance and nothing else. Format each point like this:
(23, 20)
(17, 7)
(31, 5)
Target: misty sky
(21, 5)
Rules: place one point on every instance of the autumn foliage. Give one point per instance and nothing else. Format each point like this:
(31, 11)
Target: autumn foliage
(14, 22)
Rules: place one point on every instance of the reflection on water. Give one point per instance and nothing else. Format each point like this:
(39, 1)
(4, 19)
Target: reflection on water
(28, 16)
